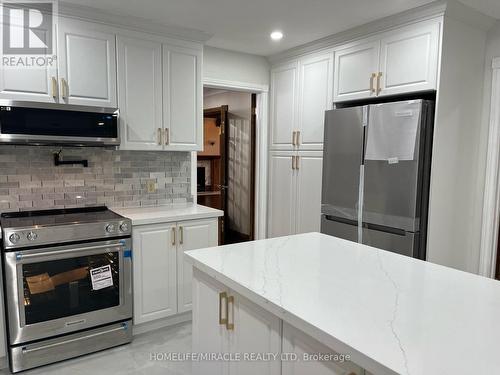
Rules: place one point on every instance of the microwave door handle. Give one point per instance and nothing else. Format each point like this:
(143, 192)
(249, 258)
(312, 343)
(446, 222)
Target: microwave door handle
(80, 250)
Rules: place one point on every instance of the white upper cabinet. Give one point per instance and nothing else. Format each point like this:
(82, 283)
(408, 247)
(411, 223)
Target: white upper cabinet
(399, 61)
(354, 70)
(409, 59)
(182, 98)
(283, 105)
(87, 64)
(140, 93)
(315, 97)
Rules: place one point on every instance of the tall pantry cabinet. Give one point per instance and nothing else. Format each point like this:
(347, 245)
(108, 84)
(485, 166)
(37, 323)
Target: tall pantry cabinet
(301, 91)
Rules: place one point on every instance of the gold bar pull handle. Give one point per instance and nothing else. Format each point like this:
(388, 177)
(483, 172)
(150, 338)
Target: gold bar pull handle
(293, 162)
(181, 232)
(379, 88)
(222, 296)
(173, 236)
(167, 136)
(297, 141)
(293, 137)
(64, 88)
(159, 137)
(230, 302)
(54, 87)
(297, 159)
(372, 82)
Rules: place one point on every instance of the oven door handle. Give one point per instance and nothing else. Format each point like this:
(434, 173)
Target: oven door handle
(21, 256)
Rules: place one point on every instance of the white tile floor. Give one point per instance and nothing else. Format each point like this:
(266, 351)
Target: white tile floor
(128, 359)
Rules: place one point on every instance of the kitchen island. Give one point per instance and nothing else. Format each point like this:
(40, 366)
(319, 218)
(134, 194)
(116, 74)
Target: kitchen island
(313, 293)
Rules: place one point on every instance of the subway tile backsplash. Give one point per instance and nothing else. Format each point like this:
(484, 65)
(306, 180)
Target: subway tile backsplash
(30, 180)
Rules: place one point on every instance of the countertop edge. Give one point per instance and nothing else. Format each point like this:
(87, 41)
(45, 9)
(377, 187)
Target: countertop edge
(324, 338)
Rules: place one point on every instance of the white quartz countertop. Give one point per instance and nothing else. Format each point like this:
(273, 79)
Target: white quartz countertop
(393, 314)
(165, 214)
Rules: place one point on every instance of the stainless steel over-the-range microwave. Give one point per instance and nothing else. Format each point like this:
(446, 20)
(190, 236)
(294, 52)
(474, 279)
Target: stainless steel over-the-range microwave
(49, 123)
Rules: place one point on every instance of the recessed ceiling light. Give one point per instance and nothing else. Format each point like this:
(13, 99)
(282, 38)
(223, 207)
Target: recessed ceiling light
(276, 35)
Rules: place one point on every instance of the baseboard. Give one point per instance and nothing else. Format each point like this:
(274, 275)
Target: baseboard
(161, 323)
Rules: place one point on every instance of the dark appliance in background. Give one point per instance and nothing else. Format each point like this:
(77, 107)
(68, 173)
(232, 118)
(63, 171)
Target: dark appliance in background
(57, 124)
(376, 172)
(201, 178)
(67, 283)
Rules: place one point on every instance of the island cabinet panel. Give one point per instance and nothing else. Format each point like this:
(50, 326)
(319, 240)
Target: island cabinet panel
(154, 272)
(304, 346)
(225, 322)
(162, 280)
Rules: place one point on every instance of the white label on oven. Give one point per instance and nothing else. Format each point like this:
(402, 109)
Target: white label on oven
(101, 277)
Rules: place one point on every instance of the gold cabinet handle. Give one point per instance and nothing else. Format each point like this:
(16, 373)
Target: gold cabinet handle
(167, 136)
(293, 138)
(173, 236)
(159, 137)
(230, 302)
(378, 82)
(64, 88)
(297, 162)
(54, 87)
(181, 232)
(297, 141)
(372, 82)
(222, 296)
(293, 162)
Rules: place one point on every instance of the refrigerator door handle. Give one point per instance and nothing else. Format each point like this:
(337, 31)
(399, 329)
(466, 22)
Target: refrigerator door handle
(382, 228)
(341, 220)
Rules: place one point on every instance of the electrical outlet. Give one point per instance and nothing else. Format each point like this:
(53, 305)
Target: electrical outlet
(151, 186)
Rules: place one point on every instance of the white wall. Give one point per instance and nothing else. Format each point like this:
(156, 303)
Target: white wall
(220, 64)
(457, 175)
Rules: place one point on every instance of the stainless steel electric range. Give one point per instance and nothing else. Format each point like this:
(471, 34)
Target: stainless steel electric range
(67, 283)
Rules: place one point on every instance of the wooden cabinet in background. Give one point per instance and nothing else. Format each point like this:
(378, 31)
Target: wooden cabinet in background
(211, 142)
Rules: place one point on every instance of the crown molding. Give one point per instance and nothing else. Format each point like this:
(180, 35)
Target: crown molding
(134, 23)
(431, 10)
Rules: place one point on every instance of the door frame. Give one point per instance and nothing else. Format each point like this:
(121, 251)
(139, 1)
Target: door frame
(261, 142)
(491, 198)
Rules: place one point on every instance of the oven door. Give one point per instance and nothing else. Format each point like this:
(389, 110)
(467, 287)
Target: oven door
(57, 290)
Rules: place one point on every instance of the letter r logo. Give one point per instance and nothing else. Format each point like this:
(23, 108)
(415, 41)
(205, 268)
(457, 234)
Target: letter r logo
(27, 27)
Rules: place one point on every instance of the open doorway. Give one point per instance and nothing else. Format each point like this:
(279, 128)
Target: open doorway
(226, 166)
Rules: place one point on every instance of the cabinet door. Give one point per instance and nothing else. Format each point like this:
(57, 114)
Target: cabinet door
(182, 98)
(87, 64)
(155, 292)
(409, 59)
(309, 176)
(209, 336)
(192, 235)
(354, 67)
(255, 331)
(315, 97)
(295, 341)
(139, 94)
(283, 106)
(281, 203)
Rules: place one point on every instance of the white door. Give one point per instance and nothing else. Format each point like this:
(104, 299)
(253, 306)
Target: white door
(409, 59)
(32, 83)
(281, 202)
(315, 97)
(192, 235)
(283, 106)
(154, 265)
(354, 70)
(309, 176)
(255, 331)
(295, 341)
(182, 98)
(140, 94)
(87, 64)
(209, 334)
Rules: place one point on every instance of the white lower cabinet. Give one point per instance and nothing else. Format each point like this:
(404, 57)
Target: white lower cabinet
(162, 282)
(225, 322)
(304, 346)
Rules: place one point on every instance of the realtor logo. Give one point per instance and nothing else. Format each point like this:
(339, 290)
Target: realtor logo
(28, 27)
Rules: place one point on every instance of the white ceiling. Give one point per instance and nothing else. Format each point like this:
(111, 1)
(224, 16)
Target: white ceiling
(245, 25)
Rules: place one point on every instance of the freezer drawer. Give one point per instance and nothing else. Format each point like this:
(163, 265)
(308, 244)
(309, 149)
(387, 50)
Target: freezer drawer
(344, 230)
(404, 243)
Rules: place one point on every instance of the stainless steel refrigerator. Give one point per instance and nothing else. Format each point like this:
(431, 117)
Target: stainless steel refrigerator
(376, 171)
